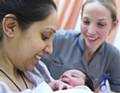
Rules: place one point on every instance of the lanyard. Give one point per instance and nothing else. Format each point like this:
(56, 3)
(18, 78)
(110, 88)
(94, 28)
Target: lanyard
(103, 86)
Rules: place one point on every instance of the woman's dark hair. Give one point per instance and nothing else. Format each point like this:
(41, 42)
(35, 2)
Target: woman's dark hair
(88, 82)
(26, 11)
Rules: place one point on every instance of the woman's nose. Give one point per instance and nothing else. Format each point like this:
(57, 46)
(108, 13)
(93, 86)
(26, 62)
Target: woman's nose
(91, 29)
(49, 48)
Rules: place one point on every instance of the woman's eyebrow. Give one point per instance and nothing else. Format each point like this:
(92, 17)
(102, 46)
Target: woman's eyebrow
(102, 19)
(51, 29)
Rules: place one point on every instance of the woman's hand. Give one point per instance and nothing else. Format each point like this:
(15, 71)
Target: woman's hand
(59, 85)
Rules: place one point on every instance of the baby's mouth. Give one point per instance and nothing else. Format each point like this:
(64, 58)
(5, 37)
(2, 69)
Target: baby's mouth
(65, 82)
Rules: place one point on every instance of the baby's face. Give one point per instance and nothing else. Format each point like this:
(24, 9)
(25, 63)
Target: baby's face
(73, 77)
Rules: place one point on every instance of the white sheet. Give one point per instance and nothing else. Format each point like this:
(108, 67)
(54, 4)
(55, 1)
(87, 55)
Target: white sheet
(80, 89)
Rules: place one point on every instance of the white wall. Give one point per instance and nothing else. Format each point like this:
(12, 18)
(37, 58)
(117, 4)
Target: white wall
(117, 39)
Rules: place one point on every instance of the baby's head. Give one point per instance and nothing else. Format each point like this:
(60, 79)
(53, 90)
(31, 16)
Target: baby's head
(76, 77)
(73, 77)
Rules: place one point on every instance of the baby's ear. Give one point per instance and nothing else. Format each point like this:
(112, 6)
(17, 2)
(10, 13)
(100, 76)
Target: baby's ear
(8, 24)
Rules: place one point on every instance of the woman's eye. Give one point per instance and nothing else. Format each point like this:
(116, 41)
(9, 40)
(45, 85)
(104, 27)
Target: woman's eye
(46, 35)
(86, 22)
(101, 25)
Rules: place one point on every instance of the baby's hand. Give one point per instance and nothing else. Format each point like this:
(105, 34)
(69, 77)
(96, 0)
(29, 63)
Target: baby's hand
(59, 85)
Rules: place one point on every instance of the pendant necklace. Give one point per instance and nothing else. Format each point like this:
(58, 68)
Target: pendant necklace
(14, 82)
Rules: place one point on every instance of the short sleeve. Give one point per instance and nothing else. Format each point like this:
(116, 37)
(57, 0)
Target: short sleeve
(114, 70)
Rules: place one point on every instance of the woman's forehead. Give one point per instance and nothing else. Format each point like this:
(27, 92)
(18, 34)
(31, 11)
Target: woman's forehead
(95, 8)
(96, 11)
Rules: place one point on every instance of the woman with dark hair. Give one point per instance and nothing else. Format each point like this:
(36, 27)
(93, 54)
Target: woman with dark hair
(26, 31)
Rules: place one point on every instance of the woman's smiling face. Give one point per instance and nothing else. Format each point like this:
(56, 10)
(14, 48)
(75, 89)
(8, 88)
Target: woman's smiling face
(27, 47)
(96, 24)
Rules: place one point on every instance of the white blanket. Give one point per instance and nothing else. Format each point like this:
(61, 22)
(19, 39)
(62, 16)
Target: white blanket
(79, 89)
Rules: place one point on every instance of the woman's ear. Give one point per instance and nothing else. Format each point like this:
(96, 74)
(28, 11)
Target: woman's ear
(113, 27)
(115, 23)
(8, 24)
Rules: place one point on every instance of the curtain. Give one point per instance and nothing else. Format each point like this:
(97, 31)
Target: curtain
(68, 14)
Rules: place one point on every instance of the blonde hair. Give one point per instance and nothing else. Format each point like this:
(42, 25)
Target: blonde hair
(109, 4)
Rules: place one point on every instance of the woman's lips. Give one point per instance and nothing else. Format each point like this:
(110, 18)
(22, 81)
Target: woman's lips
(38, 57)
(91, 39)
